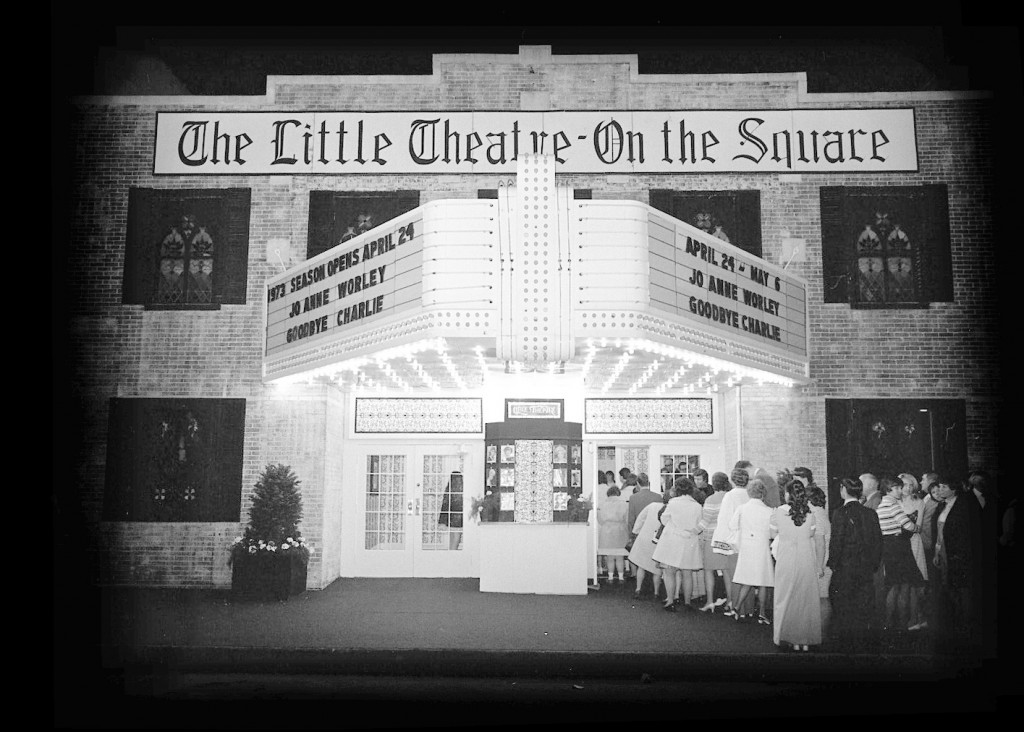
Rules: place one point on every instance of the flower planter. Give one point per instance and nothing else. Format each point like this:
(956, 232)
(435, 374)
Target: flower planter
(268, 576)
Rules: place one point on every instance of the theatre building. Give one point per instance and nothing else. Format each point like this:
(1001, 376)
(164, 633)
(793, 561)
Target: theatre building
(507, 276)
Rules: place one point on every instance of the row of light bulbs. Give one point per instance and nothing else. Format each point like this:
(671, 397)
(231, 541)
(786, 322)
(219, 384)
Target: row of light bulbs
(707, 381)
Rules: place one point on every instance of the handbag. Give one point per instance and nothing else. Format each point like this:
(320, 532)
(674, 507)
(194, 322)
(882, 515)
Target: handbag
(629, 543)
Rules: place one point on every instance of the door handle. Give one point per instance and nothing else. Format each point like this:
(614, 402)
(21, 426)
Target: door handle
(409, 509)
(417, 507)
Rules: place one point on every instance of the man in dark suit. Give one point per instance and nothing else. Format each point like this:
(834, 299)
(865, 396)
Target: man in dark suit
(957, 560)
(855, 553)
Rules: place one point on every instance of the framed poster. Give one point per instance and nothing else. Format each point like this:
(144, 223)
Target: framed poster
(559, 454)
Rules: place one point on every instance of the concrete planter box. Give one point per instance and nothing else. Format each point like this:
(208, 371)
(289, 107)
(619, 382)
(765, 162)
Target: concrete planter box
(266, 576)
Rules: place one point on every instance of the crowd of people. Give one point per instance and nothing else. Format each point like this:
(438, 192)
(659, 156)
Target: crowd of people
(898, 555)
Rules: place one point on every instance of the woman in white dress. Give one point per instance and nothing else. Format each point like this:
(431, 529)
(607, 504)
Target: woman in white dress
(724, 540)
(678, 551)
(754, 567)
(797, 610)
(642, 553)
(912, 501)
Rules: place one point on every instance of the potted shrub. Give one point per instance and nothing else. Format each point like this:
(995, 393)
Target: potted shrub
(269, 560)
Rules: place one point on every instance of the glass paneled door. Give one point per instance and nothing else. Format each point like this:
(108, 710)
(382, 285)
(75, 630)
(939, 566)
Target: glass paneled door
(409, 513)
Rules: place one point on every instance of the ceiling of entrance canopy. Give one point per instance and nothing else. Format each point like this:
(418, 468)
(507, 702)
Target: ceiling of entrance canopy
(617, 367)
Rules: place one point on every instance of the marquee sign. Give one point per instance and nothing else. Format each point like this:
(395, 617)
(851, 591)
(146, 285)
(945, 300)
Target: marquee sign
(702, 278)
(370, 276)
(671, 141)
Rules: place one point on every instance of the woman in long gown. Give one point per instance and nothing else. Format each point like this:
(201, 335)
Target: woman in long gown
(754, 567)
(797, 619)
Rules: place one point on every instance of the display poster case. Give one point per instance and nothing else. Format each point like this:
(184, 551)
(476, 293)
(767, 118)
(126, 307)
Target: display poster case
(533, 461)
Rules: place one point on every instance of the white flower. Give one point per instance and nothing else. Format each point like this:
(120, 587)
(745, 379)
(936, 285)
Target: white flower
(252, 550)
(285, 545)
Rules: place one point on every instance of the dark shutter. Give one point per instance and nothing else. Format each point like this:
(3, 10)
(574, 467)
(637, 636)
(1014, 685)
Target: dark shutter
(661, 200)
(140, 251)
(836, 251)
(838, 448)
(949, 438)
(937, 264)
(748, 221)
(321, 235)
(582, 194)
(487, 193)
(232, 260)
(225, 488)
(120, 477)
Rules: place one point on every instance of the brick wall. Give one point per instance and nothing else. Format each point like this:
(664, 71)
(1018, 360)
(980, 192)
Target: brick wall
(947, 350)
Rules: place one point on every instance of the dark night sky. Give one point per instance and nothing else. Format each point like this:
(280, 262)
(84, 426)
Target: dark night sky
(945, 50)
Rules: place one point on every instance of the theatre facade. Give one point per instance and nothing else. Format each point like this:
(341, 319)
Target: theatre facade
(508, 276)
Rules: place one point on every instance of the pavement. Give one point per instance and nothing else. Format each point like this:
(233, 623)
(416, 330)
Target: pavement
(438, 652)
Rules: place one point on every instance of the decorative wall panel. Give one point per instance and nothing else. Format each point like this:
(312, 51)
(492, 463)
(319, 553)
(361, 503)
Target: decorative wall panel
(648, 416)
(533, 481)
(383, 415)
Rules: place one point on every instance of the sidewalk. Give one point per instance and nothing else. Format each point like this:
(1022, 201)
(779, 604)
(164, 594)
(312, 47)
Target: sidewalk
(444, 622)
(189, 644)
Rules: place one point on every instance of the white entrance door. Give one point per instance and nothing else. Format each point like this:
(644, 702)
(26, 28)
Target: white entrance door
(409, 513)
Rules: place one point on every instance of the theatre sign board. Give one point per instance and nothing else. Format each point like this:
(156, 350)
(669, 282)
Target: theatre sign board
(376, 274)
(650, 141)
(699, 277)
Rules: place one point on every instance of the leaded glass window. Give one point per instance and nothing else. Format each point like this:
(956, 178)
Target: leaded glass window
(187, 258)
(886, 261)
(886, 246)
(187, 249)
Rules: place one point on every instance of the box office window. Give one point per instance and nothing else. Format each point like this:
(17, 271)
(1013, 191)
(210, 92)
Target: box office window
(733, 216)
(174, 460)
(337, 216)
(186, 249)
(886, 247)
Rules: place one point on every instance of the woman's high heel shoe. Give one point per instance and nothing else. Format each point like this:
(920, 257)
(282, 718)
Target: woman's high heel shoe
(669, 607)
(709, 608)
